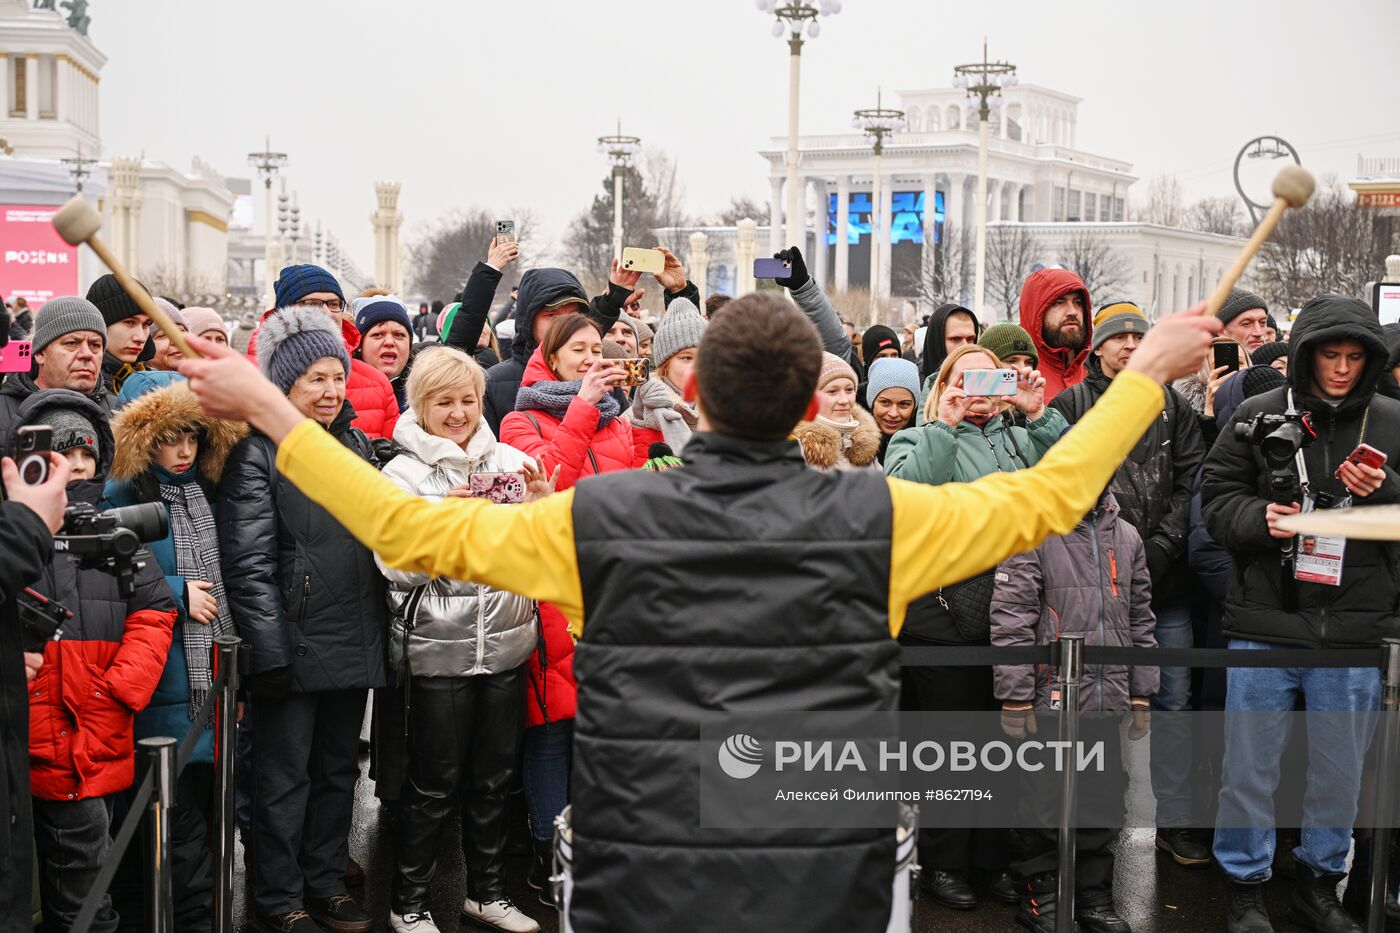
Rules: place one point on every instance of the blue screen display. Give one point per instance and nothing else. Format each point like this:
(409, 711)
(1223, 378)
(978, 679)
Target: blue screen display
(906, 222)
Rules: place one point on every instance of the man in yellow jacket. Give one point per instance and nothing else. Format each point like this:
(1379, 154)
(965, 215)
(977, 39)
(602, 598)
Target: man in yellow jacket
(740, 582)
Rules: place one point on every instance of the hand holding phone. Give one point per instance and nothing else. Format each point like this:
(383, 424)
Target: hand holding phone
(637, 371)
(33, 444)
(505, 231)
(1366, 455)
(1226, 354)
(643, 260)
(1001, 383)
(771, 269)
(501, 488)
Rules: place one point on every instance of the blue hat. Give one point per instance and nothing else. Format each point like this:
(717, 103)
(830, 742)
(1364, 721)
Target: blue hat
(296, 282)
(377, 310)
(291, 341)
(139, 383)
(892, 373)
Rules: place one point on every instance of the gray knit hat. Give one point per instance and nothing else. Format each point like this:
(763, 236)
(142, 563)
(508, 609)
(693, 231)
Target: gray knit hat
(682, 327)
(640, 332)
(891, 372)
(70, 429)
(172, 312)
(293, 339)
(60, 317)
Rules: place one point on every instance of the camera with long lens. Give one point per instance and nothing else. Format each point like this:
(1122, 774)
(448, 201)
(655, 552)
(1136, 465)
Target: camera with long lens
(110, 540)
(1279, 438)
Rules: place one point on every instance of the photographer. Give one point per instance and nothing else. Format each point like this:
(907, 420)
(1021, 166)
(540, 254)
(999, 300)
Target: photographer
(1336, 359)
(27, 522)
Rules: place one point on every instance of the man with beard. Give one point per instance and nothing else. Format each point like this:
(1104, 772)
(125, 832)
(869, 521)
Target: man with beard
(1055, 311)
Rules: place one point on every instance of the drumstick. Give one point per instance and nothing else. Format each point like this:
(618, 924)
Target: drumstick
(1292, 188)
(77, 222)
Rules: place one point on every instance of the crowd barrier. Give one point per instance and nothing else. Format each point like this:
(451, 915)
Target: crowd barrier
(162, 763)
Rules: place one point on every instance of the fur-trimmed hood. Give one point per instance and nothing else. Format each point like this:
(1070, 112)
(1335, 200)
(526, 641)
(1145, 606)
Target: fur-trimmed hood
(1193, 389)
(161, 412)
(825, 446)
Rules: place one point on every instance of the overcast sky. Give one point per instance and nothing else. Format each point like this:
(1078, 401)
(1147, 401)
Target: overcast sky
(498, 104)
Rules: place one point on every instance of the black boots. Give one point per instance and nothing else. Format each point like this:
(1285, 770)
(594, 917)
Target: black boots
(541, 867)
(1037, 912)
(949, 888)
(1244, 908)
(1099, 917)
(1315, 900)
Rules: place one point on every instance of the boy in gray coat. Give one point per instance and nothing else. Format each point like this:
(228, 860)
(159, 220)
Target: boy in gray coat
(1093, 581)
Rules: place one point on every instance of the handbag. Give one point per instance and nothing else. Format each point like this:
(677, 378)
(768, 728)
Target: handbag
(969, 602)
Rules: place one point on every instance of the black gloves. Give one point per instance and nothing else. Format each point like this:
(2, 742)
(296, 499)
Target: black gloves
(275, 684)
(799, 276)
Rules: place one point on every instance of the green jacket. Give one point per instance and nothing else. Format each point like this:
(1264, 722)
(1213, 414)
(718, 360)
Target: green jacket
(935, 453)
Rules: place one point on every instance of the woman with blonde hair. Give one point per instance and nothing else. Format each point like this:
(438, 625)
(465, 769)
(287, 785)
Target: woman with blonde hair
(965, 437)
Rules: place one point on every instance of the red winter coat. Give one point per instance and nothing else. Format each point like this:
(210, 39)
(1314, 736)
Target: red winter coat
(1045, 287)
(556, 690)
(567, 443)
(369, 391)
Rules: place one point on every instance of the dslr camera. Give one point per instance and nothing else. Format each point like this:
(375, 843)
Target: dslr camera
(1279, 438)
(110, 540)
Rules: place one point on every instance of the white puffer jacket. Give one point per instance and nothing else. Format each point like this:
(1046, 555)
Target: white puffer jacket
(458, 629)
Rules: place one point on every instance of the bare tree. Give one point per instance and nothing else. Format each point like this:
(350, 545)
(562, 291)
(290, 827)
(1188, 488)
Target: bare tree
(1090, 255)
(443, 255)
(660, 174)
(652, 198)
(1327, 246)
(1217, 215)
(948, 277)
(1166, 205)
(1011, 250)
(739, 208)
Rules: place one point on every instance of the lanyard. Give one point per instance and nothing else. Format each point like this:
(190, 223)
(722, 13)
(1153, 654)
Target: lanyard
(1298, 457)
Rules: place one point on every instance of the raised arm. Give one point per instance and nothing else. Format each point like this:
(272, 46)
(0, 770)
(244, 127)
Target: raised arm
(808, 297)
(477, 296)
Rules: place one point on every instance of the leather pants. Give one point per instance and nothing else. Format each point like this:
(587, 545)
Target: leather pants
(463, 748)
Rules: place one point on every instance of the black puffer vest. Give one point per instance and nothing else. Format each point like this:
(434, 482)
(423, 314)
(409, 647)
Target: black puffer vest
(754, 584)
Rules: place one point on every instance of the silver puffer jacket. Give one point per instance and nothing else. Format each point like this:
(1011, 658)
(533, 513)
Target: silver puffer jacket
(458, 629)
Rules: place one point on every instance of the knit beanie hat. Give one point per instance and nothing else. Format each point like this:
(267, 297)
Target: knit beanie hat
(1258, 379)
(1265, 355)
(892, 373)
(682, 327)
(876, 338)
(201, 321)
(70, 429)
(292, 340)
(1116, 319)
(60, 317)
(1007, 340)
(1273, 325)
(833, 367)
(1238, 302)
(371, 311)
(112, 301)
(177, 317)
(296, 282)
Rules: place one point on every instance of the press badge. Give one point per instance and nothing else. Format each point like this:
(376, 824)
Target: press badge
(1318, 558)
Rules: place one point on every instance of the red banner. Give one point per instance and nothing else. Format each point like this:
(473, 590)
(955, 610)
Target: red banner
(1378, 199)
(35, 263)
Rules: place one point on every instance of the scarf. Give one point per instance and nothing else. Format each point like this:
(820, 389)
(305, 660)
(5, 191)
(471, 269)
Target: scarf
(659, 407)
(846, 429)
(196, 541)
(553, 398)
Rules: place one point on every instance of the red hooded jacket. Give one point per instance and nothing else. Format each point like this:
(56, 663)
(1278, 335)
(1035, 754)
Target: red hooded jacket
(369, 391)
(1042, 289)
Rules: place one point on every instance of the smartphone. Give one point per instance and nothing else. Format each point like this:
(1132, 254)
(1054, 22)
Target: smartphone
(1227, 355)
(16, 357)
(505, 231)
(637, 369)
(1366, 455)
(32, 446)
(501, 488)
(635, 259)
(989, 382)
(771, 269)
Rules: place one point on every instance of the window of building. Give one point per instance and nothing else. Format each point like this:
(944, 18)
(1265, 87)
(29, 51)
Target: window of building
(19, 76)
(1117, 208)
(1072, 213)
(1105, 208)
(1057, 205)
(48, 86)
(1090, 206)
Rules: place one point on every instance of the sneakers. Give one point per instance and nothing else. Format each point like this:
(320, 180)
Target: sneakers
(1183, 846)
(297, 921)
(1244, 908)
(1315, 900)
(498, 914)
(1038, 908)
(340, 914)
(949, 888)
(415, 921)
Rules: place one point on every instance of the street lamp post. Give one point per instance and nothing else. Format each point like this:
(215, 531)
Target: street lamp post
(983, 82)
(793, 18)
(877, 123)
(78, 168)
(268, 163)
(620, 150)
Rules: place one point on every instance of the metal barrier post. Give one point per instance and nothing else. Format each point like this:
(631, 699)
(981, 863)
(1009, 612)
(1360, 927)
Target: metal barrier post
(159, 755)
(1071, 673)
(1385, 786)
(226, 658)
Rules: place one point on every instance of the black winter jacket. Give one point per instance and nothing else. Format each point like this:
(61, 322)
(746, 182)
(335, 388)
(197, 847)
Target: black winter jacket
(1234, 493)
(1153, 486)
(304, 593)
(19, 386)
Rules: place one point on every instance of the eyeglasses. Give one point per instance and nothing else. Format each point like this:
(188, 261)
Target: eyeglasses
(330, 304)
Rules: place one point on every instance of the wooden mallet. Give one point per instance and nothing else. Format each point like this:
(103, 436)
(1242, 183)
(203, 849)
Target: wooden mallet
(77, 222)
(1292, 188)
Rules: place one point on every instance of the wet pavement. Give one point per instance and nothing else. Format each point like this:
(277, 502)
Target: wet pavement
(1153, 893)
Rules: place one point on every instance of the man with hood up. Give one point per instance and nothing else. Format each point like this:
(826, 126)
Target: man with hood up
(1337, 355)
(1056, 312)
(950, 326)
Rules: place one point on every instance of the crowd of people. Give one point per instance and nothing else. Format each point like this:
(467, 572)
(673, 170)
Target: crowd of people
(472, 680)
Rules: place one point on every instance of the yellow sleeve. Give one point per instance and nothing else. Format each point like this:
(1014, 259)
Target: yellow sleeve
(943, 534)
(527, 549)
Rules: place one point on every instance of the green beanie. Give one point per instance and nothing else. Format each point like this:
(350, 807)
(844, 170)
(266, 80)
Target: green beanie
(1008, 340)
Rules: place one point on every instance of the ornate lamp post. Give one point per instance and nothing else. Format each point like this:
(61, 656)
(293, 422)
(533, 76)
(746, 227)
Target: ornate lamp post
(877, 123)
(793, 18)
(619, 149)
(268, 163)
(1262, 147)
(983, 82)
(78, 168)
